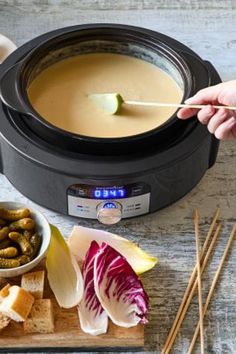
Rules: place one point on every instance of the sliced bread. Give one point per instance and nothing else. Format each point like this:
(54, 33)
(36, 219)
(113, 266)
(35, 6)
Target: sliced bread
(17, 304)
(40, 319)
(34, 283)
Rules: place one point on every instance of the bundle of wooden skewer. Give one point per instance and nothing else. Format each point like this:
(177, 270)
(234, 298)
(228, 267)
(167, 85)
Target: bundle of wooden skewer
(202, 257)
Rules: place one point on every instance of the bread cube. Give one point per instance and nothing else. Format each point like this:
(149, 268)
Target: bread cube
(40, 319)
(34, 283)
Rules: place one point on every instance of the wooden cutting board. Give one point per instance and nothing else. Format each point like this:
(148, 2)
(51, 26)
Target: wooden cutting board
(68, 335)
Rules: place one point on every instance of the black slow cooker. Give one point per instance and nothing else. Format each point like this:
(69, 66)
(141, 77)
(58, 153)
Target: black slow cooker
(104, 178)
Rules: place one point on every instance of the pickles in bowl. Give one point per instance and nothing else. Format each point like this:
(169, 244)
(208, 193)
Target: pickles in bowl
(24, 238)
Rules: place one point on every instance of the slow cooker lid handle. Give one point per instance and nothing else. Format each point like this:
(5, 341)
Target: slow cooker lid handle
(10, 90)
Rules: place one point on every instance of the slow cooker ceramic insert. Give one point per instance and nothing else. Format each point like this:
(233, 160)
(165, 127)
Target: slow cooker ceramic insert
(108, 178)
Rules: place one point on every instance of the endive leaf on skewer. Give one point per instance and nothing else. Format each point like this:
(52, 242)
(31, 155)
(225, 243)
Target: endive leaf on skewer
(112, 102)
(81, 238)
(64, 275)
(109, 102)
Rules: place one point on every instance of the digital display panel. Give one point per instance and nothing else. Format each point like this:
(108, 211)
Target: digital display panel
(97, 192)
(109, 193)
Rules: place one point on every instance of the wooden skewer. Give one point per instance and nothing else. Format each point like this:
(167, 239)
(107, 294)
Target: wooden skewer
(210, 294)
(199, 281)
(176, 105)
(191, 280)
(190, 295)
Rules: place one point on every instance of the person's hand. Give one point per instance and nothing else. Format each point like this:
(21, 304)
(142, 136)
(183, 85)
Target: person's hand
(221, 122)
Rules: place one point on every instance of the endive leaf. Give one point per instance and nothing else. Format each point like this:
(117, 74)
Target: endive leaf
(64, 275)
(81, 238)
(118, 288)
(109, 102)
(93, 318)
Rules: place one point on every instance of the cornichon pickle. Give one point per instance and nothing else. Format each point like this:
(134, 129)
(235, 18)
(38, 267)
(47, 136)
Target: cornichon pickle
(24, 244)
(28, 234)
(35, 242)
(2, 222)
(22, 224)
(4, 233)
(13, 215)
(9, 263)
(5, 243)
(9, 252)
(23, 259)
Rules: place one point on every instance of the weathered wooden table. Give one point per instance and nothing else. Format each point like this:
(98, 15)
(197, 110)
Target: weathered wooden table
(209, 28)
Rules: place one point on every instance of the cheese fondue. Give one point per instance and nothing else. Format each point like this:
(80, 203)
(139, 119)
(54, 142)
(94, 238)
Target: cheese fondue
(60, 94)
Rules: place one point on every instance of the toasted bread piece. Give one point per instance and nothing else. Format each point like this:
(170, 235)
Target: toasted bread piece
(41, 319)
(34, 283)
(4, 321)
(4, 292)
(17, 304)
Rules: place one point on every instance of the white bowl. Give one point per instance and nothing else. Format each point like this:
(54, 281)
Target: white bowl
(42, 227)
(6, 47)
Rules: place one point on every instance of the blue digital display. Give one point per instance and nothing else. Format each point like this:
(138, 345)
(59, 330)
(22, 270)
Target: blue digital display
(109, 193)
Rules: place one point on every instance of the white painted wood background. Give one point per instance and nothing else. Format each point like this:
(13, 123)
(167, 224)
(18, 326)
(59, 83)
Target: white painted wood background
(209, 28)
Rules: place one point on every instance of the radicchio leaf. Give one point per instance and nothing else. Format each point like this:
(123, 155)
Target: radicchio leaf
(93, 318)
(118, 288)
(81, 238)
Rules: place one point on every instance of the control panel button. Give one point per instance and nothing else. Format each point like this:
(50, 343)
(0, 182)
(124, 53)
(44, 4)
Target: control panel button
(82, 192)
(109, 212)
(137, 190)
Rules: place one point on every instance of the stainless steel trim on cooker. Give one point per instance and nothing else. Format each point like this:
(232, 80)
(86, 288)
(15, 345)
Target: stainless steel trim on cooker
(87, 208)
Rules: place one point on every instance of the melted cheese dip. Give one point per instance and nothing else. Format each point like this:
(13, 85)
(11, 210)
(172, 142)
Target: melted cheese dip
(60, 94)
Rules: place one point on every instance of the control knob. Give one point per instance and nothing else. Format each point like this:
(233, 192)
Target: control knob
(109, 213)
